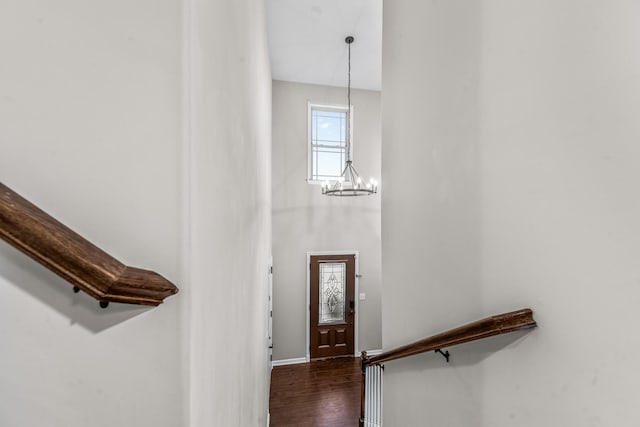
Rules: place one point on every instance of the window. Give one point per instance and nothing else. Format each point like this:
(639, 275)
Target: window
(327, 130)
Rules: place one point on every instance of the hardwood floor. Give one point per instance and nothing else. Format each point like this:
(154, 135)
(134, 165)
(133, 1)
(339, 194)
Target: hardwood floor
(325, 393)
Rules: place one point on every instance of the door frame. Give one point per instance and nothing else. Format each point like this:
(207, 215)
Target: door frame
(269, 331)
(356, 255)
(270, 314)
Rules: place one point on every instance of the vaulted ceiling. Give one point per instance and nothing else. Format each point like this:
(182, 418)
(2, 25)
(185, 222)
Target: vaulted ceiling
(306, 41)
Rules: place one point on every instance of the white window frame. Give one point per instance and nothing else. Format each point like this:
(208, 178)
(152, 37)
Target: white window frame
(326, 107)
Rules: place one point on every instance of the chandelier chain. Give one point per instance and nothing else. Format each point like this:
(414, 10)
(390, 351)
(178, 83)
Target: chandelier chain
(349, 183)
(349, 107)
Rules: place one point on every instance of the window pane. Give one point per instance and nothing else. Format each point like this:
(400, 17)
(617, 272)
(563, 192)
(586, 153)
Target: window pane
(332, 281)
(328, 143)
(329, 164)
(329, 130)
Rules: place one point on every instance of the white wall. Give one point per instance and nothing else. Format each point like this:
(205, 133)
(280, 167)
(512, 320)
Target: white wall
(528, 145)
(431, 212)
(230, 211)
(90, 132)
(304, 220)
(124, 121)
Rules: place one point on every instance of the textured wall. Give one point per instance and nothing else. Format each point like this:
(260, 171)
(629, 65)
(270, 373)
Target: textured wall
(521, 117)
(90, 112)
(230, 212)
(127, 122)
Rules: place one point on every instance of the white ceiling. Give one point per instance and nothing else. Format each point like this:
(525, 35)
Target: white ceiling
(306, 41)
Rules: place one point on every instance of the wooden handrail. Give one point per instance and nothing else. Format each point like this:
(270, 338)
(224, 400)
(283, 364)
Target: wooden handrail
(494, 325)
(66, 253)
(485, 328)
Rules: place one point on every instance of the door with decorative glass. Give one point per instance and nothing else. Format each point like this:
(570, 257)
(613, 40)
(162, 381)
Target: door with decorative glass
(332, 310)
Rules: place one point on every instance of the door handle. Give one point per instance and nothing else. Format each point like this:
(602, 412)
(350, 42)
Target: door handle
(351, 306)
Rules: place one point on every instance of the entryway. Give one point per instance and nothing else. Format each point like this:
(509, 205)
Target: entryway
(332, 305)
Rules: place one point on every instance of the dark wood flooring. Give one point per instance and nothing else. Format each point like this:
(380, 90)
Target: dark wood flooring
(323, 393)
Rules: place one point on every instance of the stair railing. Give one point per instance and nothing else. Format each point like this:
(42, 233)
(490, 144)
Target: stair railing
(63, 251)
(484, 328)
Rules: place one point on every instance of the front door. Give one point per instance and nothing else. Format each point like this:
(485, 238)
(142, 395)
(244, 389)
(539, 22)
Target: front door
(332, 311)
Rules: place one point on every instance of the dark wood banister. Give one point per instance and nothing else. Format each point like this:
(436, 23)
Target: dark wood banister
(485, 328)
(66, 253)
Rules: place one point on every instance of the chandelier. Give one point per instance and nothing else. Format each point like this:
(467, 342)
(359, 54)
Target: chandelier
(349, 183)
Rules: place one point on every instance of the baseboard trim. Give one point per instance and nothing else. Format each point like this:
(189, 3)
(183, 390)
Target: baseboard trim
(298, 360)
(293, 361)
